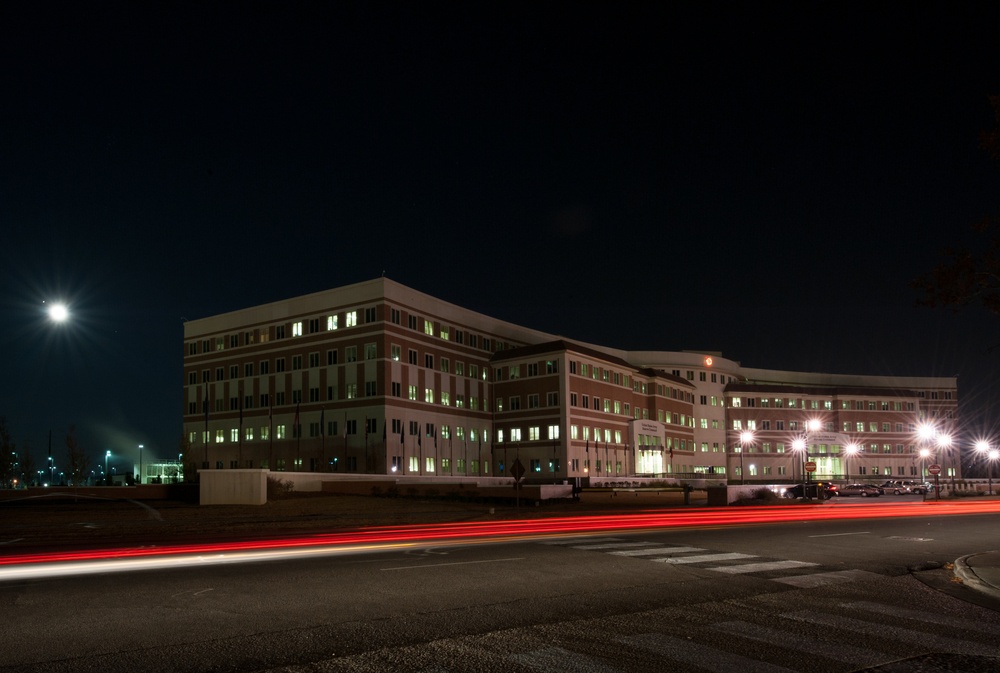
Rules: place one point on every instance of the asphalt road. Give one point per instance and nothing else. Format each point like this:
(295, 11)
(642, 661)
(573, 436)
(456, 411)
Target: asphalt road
(836, 596)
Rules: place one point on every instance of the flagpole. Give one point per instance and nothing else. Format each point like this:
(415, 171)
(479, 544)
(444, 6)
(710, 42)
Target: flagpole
(206, 425)
(298, 436)
(239, 436)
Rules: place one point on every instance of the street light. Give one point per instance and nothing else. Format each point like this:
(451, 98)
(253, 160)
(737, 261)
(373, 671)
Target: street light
(106, 457)
(799, 446)
(983, 448)
(927, 432)
(993, 455)
(140, 463)
(851, 449)
(746, 439)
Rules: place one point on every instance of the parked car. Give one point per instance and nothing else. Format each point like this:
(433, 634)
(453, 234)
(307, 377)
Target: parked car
(903, 486)
(818, 489)
(864, 490)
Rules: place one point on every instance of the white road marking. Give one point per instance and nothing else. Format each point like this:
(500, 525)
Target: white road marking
(865, 532)
(822, 579)
(655, 551)
(761, 567)
(612, 545)
(732, 556)
(461, 563)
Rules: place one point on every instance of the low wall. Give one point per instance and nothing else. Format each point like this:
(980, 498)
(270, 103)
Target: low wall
(494, 489)
(233, 487)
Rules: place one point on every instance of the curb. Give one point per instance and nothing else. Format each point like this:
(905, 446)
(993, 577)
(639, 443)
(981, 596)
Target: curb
(969, 577)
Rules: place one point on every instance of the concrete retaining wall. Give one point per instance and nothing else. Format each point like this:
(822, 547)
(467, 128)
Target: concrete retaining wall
(233, 487)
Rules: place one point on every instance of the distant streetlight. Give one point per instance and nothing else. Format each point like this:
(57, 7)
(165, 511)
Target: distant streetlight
(140, 463)
(106, 457)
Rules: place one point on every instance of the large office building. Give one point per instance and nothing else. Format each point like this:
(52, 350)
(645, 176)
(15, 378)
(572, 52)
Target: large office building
(378, 378)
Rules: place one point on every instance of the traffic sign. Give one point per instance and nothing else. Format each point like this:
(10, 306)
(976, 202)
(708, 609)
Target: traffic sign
(517, 470)
(810, 466)
(934, 469)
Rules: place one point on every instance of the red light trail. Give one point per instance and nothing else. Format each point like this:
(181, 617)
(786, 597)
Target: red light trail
(388, 537)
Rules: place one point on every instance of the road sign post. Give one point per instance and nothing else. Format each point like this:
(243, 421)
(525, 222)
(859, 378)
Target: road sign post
(935, 469)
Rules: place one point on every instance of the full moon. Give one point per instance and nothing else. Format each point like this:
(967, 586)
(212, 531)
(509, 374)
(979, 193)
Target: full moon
(58, 312)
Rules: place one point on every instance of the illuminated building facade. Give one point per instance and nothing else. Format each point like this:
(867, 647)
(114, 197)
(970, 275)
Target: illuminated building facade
(378, 378)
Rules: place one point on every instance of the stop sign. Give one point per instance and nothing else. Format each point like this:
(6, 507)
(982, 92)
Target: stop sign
(934, 469)
(811, 466)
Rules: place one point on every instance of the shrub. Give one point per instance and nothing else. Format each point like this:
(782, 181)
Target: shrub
(278, 488)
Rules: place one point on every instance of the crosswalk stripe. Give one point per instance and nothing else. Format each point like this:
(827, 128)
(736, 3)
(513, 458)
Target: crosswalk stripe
(613, 545)
(762, 567)
(731, 556)
(701, 656)
(802, 643)
(930, 618)
(558, 660)
(822, 579)
(885, 631)
(655, 551)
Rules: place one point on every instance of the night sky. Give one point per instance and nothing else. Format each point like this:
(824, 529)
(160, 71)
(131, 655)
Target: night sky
(760, 179)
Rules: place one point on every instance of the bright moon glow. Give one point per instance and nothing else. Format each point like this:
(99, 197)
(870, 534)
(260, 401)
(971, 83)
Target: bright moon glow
(58, 312)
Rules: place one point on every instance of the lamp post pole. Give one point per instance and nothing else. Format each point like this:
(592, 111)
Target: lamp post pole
(849, 451)
(106, 457)
(993, 455)
(746, 439)
(989, 455)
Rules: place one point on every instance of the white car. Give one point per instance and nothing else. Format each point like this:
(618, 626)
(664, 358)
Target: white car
(902, 487)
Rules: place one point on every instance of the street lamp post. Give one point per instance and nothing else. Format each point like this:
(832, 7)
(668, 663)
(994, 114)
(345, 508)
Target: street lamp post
(106, 457)
(799, 446)
(140, 463)
(746, 439)
(849, 450)
(989, 455)
(993, 455)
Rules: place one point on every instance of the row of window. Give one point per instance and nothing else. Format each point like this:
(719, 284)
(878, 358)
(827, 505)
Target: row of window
(828, 426)
(780, 447)
(370, 352)
(822, 405)
(862, 470)
(334, 321)
(597, 373)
